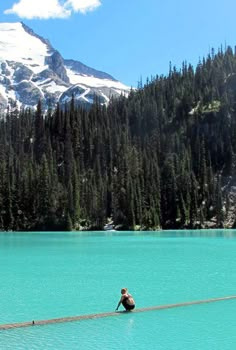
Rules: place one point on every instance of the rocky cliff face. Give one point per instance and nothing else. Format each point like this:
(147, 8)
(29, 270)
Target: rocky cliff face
(56, 63)
(31, 69)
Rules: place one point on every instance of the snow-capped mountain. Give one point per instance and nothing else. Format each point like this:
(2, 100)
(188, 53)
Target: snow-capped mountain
(31, 69)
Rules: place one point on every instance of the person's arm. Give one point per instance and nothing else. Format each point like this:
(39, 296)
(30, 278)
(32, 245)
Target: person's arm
(121, 299)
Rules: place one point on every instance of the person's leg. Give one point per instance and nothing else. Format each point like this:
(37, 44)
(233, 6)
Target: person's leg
(129, 307)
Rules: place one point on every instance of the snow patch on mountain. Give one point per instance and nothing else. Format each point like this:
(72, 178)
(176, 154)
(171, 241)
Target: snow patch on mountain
(76, 78)
(17, 45)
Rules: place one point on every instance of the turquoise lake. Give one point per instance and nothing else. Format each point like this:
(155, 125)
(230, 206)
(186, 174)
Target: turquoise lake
(50, 275)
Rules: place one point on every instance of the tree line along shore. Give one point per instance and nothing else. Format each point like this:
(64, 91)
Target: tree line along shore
(163, 158)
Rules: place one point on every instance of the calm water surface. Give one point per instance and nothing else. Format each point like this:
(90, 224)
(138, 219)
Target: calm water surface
(48, 275)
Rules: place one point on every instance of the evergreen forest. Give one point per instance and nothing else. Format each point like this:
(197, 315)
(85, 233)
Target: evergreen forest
(161, 158)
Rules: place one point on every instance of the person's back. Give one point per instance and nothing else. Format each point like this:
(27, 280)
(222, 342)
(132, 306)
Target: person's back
(126, 300)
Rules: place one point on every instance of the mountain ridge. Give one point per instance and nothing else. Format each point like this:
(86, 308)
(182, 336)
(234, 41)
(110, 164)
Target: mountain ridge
(32, 69)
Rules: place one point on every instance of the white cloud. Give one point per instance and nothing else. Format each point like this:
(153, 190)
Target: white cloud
(83, 5)
(42, 9)
(45, 9)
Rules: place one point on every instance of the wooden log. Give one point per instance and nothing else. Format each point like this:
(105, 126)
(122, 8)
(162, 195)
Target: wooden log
(109, 314)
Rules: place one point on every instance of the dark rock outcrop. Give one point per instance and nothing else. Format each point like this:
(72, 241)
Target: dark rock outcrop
(56, 64)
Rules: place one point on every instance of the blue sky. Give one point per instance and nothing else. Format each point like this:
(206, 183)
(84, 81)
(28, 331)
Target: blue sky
(129, 39)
